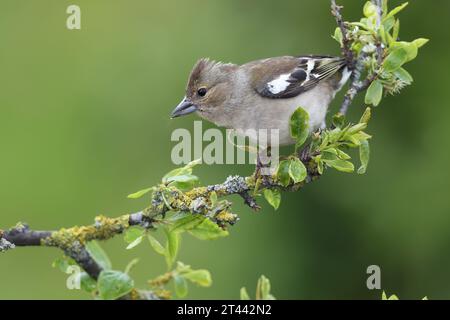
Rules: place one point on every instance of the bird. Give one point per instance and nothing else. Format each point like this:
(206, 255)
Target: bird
(263, 94)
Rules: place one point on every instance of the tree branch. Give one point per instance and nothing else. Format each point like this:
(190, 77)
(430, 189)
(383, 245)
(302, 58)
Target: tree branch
(164, 198)
(346, 42)
(72, 241)
(355, 62)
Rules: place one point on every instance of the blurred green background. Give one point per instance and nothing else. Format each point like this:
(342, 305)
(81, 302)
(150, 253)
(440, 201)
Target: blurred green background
(84, 121)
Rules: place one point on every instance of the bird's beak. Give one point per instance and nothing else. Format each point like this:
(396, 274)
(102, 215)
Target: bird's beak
(185, 107)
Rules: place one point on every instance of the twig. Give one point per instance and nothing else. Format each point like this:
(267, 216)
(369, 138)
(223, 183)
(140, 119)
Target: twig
(346, 43)
(355, 64)
(355, 84)
(250, 201)
(72, 241)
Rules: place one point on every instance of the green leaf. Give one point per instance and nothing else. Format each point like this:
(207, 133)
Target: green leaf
(186, 170)
(98, 254)
(338, 120)
(420, 42)
(283, 173)
(390, 39)
(131, 265)
(364, 154)
(63, 263)
(213, 198)
(87, 283)
(331, 136)
(409, 47)
(181, 286)
(387, 25)
(273, 197)
(385, 7)
(133, 236)
(156, 245)
(329, 155)
(374, 93)
(186, 178)
(139, 194)
(182, 268)
(133, 233)
(341, 165)
(356, 128)
(265, 286)
(342, 155)
(297, 170)
(244, 294)
(193, 163)
(338, 36)
(403, 75)
(114, 284)
(395, 60)
(175, 173)
(396, 30)
(394, 297)
(183, 182)
(369, 9)
(299, 124)
(134, 243)
(353, 141)
(201, 277)
(173, 242)
(263, 289)
(396, 10)
(319, 165)
(365, 118)
(188, 222)
(360, 137)
(333, 151)
(207, 230)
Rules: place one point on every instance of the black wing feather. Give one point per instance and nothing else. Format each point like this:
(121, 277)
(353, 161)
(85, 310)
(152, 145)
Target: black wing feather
(305, 76)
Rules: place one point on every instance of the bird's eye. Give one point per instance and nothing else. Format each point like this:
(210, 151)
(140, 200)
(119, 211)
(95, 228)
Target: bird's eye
(202, 92)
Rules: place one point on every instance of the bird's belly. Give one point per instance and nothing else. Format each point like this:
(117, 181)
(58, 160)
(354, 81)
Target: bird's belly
(274, 114)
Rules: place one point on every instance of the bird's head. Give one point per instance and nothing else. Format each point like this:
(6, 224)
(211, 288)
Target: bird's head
(208, 88)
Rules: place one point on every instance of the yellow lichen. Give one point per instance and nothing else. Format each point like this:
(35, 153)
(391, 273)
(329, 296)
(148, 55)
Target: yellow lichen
(163, 294)
(161, 280)
(226, 216)
(104, 228)
(197, 192)
(134, 295)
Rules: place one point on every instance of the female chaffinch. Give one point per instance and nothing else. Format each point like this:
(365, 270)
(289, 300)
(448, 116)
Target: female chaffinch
(263, 94)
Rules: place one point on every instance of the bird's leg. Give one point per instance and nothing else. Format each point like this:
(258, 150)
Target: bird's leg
(259, 179)
(258, 167)
(260, 164)
(305, 154)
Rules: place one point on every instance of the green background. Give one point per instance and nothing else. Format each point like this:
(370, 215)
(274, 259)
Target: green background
(84, 121)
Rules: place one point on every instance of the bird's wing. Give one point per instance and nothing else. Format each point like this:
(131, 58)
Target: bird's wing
(287, 77)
